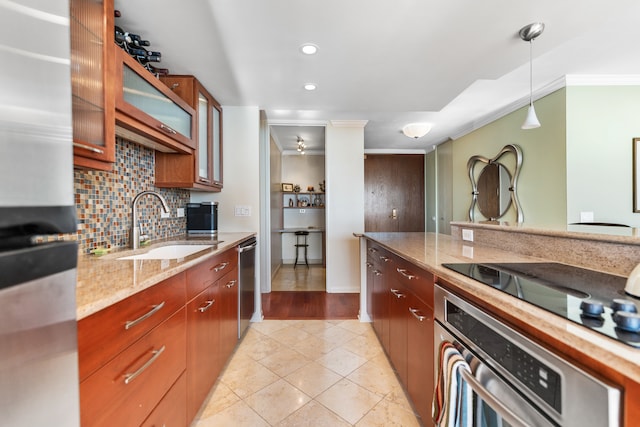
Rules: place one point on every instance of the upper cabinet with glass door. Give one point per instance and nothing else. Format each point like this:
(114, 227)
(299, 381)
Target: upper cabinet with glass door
(91, 28)
(148, 112)
(201, 170)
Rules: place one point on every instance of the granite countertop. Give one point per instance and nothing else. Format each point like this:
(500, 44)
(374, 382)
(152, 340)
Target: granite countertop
(430, 251)
(105, 280)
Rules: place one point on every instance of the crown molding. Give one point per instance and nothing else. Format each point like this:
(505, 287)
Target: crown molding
(603, 79)
(349, 123)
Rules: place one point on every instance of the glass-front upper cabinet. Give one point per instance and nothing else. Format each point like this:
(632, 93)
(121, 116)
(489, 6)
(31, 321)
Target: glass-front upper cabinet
(201, 170)
(148, 112)
(91, 30)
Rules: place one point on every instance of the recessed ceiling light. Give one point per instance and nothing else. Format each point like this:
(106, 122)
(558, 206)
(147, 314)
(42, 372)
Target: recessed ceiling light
(309, 49)
(310, 86)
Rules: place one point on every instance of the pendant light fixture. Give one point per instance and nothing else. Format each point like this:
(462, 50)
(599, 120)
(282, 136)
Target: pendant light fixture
(528, 33)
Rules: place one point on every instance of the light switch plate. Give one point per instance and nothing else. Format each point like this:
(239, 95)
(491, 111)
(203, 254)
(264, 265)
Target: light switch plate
(180, 212)
(242, 210)
(164, 214)
(586, 216)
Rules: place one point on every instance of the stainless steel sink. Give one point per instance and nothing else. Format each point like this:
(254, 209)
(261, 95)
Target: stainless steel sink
(169, 252)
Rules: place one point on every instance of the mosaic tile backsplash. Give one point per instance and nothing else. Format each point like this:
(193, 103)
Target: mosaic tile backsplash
(103, 201)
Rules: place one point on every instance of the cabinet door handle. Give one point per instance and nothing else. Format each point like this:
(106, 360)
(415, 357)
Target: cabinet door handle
(373, 250)
(397, 294)
(394, 214)
(167, 129)
(88, 147)
(207, 306)
(155, 354)
(415, 312)
(405, 273)
(377, 273)
(219, 267)
(131, 323)
(231, 284)
(384, 258)
(369, 265)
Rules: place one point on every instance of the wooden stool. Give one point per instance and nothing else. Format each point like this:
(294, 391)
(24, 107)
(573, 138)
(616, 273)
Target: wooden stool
(301, 242)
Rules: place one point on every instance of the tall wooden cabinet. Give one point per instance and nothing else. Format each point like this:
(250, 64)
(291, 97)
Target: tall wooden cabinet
(401, 298)
(202, 169)
(92, 68)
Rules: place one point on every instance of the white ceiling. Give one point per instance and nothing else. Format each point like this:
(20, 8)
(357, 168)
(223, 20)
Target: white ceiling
(449, 63)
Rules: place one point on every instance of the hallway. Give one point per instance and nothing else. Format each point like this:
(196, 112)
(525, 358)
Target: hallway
(308, 373)
(300, 278)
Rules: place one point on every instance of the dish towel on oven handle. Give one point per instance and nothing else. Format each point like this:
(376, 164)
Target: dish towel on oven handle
(452, 399)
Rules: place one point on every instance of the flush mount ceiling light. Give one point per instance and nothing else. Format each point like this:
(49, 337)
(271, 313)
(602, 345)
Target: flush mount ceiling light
(528, 33)
(416, 130)
(310, 86)
(309, 49)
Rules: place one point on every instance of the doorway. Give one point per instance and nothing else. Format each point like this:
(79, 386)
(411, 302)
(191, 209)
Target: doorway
(297, 200)
(394, 192)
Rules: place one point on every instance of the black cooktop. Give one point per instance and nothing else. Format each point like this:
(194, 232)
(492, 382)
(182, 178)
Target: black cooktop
(560, 289)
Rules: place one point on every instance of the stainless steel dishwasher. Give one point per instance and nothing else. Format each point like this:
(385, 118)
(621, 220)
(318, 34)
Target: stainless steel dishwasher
(246, 290)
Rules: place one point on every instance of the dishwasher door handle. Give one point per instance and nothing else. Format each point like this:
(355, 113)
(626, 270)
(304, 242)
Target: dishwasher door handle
(247, 248)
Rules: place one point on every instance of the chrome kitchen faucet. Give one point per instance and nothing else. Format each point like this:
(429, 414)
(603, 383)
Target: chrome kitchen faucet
(135, 230)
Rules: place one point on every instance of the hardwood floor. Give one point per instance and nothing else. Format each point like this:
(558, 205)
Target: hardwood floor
(306, 305)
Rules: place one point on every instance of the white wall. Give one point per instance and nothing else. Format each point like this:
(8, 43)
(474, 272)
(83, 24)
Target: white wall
(344, 205)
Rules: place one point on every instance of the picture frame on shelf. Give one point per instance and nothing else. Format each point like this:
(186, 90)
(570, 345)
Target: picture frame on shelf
(287, 187)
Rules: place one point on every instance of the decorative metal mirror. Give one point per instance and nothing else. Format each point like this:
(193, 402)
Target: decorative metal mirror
(495, 189)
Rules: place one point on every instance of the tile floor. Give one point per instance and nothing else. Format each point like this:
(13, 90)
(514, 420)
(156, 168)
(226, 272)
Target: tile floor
(300, 278)
(300, 373)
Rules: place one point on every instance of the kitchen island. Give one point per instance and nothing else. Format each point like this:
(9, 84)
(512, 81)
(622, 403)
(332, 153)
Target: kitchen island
(603, 357)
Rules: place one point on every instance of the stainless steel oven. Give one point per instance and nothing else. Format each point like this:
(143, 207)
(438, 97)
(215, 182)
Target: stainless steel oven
(511, 380)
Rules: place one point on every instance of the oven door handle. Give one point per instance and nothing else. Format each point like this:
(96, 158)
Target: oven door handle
(507, 414)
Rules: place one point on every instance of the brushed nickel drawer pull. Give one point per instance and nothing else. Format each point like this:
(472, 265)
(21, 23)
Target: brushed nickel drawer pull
(167, 129)
(369, 265)
(405, 273)
(377, 273)
(219, 267)
(155, 354)
(88, 148)
(397, 294)
(415, 311)
(373, 250)
(231, 284)
(207, 306)
(131, 323)
(384, 258)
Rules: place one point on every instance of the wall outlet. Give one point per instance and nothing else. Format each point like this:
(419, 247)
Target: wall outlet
(303, 210)
(164, 214)
(241, 210)
(180, 212)
(586, 216)
(467, 235)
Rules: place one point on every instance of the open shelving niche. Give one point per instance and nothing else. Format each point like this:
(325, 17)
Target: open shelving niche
(296, 200)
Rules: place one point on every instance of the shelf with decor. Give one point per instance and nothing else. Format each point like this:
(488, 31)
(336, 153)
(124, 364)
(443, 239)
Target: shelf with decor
(306, 200)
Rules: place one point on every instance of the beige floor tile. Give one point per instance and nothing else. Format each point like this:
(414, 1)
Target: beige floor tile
(313, 414)
(314, 347)
(289, 336)
(268, 326)
(260, 348)
(285, 362)
(313, 379)
(355, 326)
(247, 381)
(220, 398)
(277, 401)
(350, 401)
(388, 414)
(336, 335)
(364, 346)
(374, 378)
(341, 361)
(237, 415)
(399, 397)
(314, 327)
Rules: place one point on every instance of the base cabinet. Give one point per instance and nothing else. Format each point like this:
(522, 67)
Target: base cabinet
(402, 314)
(152, 359)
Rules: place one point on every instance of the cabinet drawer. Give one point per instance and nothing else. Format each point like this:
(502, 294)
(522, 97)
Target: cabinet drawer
(106, 333)
(171, 411)
(417, 280)
(127, 389)
(207, 272)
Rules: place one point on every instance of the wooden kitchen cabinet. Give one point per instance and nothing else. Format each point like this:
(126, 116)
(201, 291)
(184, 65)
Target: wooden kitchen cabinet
(126, 390)
(229, 316)
(92, 68)
(203, 346)
(167, 413)
(147, 111)
(202, 169)
(402, 312)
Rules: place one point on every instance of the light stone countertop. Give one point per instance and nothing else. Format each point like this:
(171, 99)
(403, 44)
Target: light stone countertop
(430, 251)
(105, 280)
